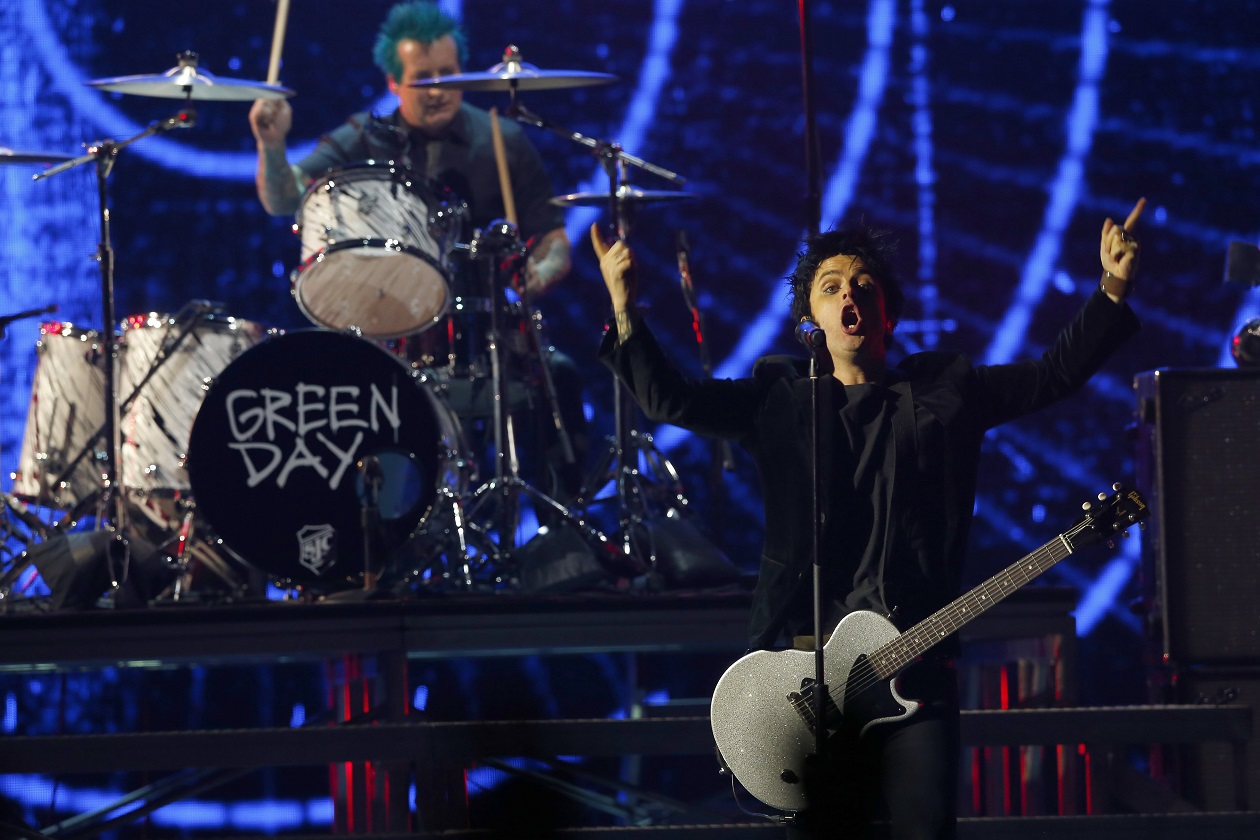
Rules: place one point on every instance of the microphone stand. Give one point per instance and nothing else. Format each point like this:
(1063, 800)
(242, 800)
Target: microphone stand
(103, 154)
(817, 342)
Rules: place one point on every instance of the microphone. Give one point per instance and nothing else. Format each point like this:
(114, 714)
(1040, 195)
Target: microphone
(811, 335)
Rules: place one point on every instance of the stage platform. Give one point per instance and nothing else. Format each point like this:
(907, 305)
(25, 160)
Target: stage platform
(440, 626)
(435, 754)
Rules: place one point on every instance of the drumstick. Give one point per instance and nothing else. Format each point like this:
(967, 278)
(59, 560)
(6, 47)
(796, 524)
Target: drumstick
(277, 41)
(500, 159)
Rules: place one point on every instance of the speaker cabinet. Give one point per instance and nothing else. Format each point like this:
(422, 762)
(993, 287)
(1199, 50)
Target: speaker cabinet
(1198, 464)
(1209, 772)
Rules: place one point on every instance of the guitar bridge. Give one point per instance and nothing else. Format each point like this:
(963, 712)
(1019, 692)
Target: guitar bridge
(803, 702)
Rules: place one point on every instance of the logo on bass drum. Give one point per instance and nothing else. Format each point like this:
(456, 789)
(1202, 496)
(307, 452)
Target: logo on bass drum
(317, 547)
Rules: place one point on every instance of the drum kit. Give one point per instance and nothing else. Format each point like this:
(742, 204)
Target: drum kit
(325, 460)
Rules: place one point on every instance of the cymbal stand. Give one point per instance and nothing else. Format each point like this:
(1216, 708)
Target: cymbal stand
(103, 154)
(627, 443)
(493, 248)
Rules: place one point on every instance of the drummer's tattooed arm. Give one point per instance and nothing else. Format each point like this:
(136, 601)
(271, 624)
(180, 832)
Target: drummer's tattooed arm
(548, 262)
(279, 184)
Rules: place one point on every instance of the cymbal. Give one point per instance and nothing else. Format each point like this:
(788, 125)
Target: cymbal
(16, 156)
(514, 74)
(628, 195)
(186, 81)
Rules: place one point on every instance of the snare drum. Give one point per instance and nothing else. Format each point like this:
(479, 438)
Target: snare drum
(275, 449)
(63, 448)
(167, 364)
(376, 243)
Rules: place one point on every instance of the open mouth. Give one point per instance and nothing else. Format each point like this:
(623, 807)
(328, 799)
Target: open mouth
(850, 320)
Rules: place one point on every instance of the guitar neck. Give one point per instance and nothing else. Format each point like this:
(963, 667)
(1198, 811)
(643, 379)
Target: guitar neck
(892, 657)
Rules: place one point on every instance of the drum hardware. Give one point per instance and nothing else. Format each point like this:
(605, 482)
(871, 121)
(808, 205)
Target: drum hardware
(8, 155)
(373, 477)
(5, 320)
(624, 196)
(622, 201)
(496, 250)
(189, 82)
(184, 82)
(513, 74)
(190, 553)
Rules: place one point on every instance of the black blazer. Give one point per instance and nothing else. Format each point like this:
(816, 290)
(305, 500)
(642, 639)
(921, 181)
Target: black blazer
(952, 403)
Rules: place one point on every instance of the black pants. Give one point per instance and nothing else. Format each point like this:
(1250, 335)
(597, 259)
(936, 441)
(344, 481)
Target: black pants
(901, 781)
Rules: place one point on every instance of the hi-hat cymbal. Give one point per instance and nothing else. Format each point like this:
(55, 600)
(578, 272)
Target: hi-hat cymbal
(17, 156)
(513, 74)
(186, 81)
(626, 195)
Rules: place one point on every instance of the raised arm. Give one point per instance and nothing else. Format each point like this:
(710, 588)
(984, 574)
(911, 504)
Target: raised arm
(616, 263)
(279, 184)
(1119, 252)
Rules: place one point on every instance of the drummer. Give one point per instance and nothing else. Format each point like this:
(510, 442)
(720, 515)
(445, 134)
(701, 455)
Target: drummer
(435, 132)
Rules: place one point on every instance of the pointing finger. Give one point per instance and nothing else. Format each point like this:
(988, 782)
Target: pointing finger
(597, 241)
(1131, 222)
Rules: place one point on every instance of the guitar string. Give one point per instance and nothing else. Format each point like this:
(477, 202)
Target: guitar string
(871, 675)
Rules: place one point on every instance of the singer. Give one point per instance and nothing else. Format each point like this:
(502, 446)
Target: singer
(901, 464)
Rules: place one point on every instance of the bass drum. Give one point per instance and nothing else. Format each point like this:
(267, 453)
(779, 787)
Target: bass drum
(285, 437)
(63, 446)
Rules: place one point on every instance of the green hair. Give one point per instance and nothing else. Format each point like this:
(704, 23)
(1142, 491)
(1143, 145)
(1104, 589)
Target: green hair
(418, 20)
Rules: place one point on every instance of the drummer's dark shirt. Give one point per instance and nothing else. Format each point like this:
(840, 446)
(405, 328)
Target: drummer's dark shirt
(462, 159)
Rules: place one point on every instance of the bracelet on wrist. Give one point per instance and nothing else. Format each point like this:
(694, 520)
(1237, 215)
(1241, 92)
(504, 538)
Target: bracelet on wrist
(1118, 286)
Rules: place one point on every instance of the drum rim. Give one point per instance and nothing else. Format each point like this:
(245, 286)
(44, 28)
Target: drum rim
(411, 178)
(166, 319)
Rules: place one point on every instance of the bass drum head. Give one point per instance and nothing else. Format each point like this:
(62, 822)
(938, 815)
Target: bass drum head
(273, 458)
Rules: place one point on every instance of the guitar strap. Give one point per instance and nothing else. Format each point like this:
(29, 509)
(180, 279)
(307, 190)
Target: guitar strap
(905, 456)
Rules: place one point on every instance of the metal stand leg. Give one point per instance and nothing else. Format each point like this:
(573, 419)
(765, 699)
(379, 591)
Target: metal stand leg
(497, 501)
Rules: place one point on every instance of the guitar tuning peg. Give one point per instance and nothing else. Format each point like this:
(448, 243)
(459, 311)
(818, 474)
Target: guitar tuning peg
(1117, 486)
(1126, 533)
(1111, 544)
(1086, 506)
(1102, 497)
(1141, 526)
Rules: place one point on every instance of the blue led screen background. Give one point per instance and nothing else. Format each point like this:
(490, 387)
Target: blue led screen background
(991, 138)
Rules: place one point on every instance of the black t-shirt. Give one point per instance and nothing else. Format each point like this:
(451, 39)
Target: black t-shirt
(462, 159)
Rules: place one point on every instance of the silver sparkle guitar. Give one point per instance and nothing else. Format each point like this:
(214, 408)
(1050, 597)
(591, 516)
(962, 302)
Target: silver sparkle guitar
(763, 708)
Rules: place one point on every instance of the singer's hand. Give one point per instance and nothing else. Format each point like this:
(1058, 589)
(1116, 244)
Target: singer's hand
(1120, 253)
(616, 263)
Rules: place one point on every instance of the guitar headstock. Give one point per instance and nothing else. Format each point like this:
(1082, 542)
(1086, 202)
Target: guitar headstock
(1109, 516)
